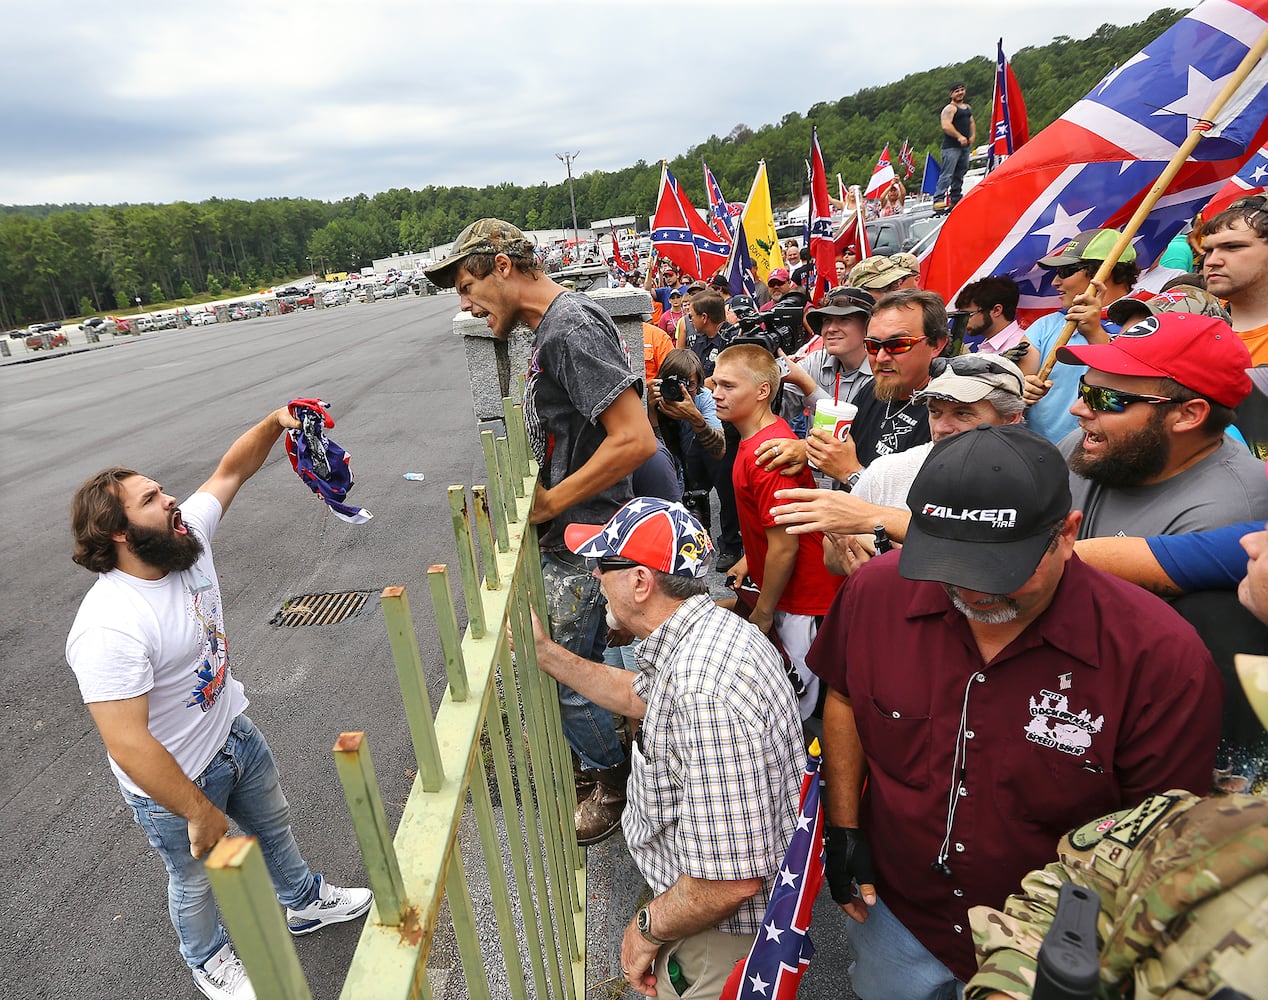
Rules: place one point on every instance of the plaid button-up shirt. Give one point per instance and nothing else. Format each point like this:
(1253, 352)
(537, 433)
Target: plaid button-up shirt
(716, 770)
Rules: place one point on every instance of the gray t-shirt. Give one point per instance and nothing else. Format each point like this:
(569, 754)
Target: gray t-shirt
(824, 369)
(579, 365)
(1225, 487)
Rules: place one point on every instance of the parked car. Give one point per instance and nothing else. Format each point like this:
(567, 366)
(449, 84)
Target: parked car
(335, 297)
(897, 233)
(305, 301)
(122, 324)
(392, 291)
(36, 340)
(202, 319)
(17, 334)
(92, 323)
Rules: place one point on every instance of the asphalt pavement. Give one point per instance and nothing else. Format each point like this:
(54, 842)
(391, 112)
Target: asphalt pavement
(84, 913)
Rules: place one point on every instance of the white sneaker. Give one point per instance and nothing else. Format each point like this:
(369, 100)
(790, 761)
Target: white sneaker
(222, 977)
(333, 905)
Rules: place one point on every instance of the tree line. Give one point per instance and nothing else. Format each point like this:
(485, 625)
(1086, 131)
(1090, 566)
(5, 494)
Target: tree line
(58, 261)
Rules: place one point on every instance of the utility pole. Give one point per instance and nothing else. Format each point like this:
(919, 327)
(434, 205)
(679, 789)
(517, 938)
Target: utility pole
(566, 159)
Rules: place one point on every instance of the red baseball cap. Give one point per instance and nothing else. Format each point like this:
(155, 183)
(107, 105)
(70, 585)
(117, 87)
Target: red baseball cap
(1201, 353)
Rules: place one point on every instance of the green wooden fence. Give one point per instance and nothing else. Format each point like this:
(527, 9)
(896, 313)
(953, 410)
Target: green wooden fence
(498, 707)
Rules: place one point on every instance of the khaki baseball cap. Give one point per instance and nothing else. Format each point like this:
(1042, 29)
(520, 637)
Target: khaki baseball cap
(482, 236)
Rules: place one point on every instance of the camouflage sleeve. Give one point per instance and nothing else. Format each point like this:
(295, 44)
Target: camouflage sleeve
(1008, 941)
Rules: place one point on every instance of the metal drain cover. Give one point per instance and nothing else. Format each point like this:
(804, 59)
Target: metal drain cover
(320, 609)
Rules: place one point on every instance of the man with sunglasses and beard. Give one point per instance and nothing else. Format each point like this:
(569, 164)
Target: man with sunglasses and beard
(149, 651)
(906, 331)
(1150, 456)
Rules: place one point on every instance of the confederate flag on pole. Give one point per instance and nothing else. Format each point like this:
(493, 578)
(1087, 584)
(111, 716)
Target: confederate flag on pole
(621, 263)
(781, 953)
(882, 176)
(853, 233)
(1010, 129)
(822, 249)
(1251, 180)
(1093, 166)
(719, 207)
(680, 235)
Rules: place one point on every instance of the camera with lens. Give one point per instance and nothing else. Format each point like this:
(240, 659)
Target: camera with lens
(672, 389)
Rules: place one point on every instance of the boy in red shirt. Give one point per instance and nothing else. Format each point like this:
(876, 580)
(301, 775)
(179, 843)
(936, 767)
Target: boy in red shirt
(796, 589)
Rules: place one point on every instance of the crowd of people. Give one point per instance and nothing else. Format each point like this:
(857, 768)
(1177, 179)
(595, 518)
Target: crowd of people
(1006, 602)
(1044, 647)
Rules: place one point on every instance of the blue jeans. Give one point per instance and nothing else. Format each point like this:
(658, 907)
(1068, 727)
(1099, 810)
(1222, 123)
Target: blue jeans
(579, 624)
(242, 781)
(955, 163)
(890, 964)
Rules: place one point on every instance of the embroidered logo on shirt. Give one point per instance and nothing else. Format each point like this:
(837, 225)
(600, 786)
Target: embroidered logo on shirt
(1052, 724)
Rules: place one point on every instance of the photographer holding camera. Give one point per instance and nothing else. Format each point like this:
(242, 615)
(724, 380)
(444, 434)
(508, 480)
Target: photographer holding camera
(687, 421)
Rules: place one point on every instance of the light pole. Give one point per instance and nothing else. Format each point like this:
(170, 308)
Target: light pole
(566, 159)
(138, 305)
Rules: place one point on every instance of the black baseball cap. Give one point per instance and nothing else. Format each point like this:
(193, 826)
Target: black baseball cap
(983, 508)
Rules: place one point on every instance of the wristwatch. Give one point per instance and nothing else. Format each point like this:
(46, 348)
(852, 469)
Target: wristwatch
(852, 480)
(643, 920)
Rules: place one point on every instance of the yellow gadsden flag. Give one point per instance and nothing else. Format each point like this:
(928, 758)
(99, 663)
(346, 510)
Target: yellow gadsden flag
(759, 226)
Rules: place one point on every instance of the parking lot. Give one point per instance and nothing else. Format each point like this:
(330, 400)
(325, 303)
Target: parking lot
(85, 913)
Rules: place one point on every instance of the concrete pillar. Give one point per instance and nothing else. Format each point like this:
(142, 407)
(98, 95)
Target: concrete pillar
(492, 363)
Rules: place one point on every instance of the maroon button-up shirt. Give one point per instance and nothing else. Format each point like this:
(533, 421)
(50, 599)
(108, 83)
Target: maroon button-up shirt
(1105, 698)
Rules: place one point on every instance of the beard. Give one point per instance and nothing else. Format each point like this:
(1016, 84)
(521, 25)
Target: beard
(163, 549)
(996, 616)
(1131, 461)
(888, 388)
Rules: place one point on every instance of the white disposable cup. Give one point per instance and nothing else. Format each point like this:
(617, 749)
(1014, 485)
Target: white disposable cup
(836, 418)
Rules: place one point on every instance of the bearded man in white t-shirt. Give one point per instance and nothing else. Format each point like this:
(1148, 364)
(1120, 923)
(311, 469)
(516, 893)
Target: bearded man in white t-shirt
(148, 649)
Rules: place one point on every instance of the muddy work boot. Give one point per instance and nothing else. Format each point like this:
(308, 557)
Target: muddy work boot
(599, 813)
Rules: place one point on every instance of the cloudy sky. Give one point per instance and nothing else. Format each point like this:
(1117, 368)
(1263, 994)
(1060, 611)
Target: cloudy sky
(148, 101)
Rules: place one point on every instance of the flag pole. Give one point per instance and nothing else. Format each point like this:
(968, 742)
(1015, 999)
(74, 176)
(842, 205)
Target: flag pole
(1160, 186)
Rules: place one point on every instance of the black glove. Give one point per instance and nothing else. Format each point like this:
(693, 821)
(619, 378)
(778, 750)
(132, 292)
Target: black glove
(847, 858)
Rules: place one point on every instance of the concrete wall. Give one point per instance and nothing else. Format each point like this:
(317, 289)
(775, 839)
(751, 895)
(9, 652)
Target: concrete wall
(492, 363)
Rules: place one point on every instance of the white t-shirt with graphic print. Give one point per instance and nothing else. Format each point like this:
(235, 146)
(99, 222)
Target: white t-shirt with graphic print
(164, 638)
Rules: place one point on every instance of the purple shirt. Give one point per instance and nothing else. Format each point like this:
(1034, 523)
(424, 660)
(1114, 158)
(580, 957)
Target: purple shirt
(1106, 697)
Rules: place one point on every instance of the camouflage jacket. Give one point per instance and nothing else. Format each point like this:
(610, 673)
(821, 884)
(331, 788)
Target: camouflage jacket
(1183, 886)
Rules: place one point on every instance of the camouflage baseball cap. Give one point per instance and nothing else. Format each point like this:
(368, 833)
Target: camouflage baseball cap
(1188, 299)
(878, 272)
(908, 260)
(482, 236)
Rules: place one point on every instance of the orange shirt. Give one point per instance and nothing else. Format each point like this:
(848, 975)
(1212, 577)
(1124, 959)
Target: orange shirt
(656, 344)
(1256, 341)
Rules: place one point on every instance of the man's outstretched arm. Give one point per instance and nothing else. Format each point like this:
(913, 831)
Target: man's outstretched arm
(246, 455)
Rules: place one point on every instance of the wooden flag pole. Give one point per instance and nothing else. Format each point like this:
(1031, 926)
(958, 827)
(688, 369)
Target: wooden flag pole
(1163, 182)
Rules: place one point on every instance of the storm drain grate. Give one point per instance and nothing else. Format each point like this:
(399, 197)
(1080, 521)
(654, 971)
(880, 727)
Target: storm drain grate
(321, 609)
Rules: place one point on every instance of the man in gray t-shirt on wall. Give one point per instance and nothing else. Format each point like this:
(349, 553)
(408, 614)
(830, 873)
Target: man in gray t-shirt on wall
(588, 432)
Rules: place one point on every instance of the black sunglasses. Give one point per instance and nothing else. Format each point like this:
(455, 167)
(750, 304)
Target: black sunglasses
(1070, 270)
(972, 364)
(610, 564)
(1100, 399)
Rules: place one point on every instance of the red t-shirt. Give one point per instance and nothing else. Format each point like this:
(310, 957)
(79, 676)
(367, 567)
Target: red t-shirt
(1107, 697)
(811, 588)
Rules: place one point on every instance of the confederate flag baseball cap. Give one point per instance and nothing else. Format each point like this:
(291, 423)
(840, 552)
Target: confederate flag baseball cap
(651, 532)
(983, 508)
(1201, 353)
